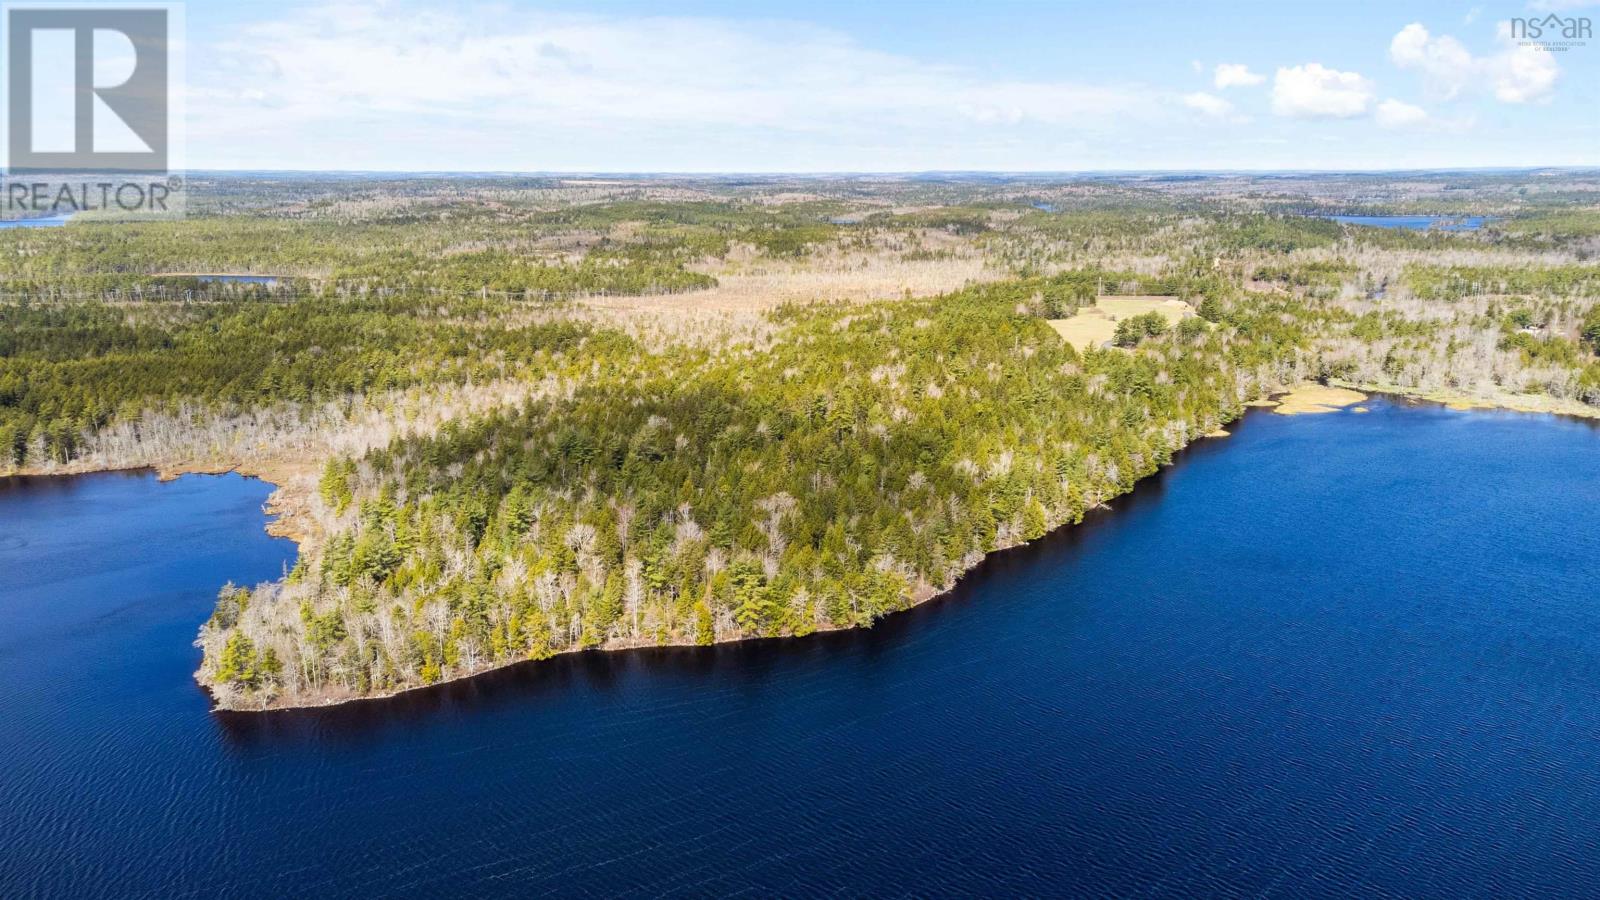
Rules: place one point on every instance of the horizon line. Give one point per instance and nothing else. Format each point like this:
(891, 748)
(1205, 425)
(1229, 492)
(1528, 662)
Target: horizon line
(901, 173)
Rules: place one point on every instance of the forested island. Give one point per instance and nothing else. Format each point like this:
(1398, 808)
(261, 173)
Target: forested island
(515, 417)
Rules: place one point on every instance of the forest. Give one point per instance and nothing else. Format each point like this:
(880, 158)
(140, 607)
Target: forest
(530, 416)
(867, 457)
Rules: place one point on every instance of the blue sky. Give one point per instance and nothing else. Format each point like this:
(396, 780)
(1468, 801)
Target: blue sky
(882, 86)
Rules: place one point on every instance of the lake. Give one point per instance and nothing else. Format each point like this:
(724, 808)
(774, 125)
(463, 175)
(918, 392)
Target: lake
(267, 280)
(36, 222)
(1418, 223)
(1342, 654)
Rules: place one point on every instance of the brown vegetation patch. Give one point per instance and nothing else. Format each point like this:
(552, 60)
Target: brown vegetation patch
(1317, 398)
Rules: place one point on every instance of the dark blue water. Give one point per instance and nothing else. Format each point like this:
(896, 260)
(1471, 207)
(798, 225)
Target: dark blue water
(1418, 223)
(1348, 654)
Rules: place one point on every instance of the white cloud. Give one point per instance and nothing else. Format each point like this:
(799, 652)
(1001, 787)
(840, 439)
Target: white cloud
(1393, 113)
(1228, 75)
(544, 76)
(1521, 74)
(1210, 104)
(1446, 66)
(1316, 91)
(1514, 74)
(492, 85)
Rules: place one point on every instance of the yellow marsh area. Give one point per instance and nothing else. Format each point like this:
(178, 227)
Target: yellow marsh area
(1094, 326)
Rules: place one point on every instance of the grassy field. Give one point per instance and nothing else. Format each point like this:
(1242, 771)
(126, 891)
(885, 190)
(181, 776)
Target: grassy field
(1094, 326)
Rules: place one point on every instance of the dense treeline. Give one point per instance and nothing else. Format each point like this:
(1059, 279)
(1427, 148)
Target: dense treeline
(1456, 282)
(869, 456)
(629, 270)
(66, 372)
(624, 247)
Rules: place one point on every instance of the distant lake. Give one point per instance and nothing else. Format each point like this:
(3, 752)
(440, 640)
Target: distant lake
(37, 222)
(1353, 654)
(1418, 223)
(268, 280)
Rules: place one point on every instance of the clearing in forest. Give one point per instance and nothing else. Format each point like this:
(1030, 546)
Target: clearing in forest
(1094, 326)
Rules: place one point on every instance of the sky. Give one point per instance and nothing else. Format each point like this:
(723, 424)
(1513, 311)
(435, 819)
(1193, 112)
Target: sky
(859, 86)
